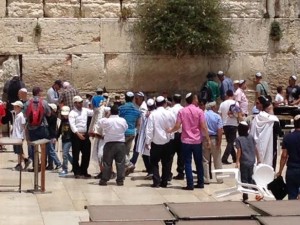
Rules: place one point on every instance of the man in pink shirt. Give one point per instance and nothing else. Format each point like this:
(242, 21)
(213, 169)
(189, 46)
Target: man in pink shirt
(194, 129)
(241, 98)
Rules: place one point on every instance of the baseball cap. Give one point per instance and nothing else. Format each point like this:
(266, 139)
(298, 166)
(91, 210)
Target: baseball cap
(65, 110)
(53, 106)
(77, 98)
(18, 103)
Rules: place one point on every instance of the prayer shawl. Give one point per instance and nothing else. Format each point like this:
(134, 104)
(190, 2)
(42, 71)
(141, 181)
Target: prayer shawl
(97, 152)
(141, 141)
(262, 131)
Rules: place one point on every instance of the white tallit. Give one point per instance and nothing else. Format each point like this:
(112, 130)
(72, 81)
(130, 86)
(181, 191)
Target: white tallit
(262, 131)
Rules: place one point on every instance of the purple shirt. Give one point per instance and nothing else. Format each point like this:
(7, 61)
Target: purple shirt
(191, 118)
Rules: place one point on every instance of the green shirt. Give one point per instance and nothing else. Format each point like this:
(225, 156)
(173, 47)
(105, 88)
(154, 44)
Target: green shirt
(214, 89)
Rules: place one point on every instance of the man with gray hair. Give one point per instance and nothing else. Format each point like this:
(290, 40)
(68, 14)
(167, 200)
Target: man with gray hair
(215, 131)
(66, 97)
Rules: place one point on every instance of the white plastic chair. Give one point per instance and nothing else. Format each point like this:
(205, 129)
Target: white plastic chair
(263, 174)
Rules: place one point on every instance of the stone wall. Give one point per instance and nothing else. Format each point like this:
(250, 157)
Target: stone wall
(84, 42)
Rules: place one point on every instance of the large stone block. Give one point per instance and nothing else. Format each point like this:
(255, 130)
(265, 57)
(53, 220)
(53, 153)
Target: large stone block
(2, 8)
(242, 8)
(62, 8)
(88, 71)
(104, 8)
(250, 35)
(17, 36)
(70, 36)
(25, 8)
(117, 36)
(43, 70)
(118, 72)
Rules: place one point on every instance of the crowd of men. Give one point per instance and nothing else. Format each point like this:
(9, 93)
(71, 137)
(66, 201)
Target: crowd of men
(156, 127)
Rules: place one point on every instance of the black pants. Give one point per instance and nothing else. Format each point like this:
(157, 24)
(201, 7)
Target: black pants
(161, 153)
(230, 134)
(176, 148)
(246, 177)
(114, 151)
(83, 146)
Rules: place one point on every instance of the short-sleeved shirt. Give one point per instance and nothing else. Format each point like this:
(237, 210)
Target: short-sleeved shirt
(18, 126)
(131, 114)
(214, 87)
(247, 146)
(96, 100)
(191, 118)
(291, 142)
(240, 97)
(262, 88)
(223, 111)
(213, 121)
(226, 85)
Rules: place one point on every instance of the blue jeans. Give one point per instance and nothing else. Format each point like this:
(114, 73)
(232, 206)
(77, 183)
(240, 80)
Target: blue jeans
(195, 150)
(52, 154)
(292, 182)
(66, 155)
(36, 134)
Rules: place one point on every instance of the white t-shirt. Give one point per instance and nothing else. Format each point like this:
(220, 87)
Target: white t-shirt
(279, 98)
(223, 111)
(18, 127)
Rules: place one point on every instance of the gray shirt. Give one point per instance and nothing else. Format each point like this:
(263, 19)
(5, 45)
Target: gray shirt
(247, 146)
(262, 88)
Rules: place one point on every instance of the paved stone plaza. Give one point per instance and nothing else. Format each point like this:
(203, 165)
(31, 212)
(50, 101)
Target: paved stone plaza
(65, 205)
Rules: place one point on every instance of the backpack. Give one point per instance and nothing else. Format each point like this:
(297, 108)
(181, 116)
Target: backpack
(206, 93)
(234, 109)
(35, 112)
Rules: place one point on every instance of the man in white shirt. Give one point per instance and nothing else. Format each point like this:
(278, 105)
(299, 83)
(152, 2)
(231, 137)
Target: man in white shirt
(78, 119)
(114, 129)
(230, 122)
(52, 93)
(161, 150)
(176, 142)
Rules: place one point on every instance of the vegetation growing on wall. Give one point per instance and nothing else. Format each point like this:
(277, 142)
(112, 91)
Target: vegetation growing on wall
(180, 27)
(275, 32)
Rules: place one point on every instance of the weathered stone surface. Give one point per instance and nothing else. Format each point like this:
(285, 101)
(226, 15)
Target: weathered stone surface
(117, 36)
(243, 8)
(9, 66)
(88, 71)
(70, 36)
(62, 8)
(25, 8)
(17, 36)
(2, 8)
(43, 70)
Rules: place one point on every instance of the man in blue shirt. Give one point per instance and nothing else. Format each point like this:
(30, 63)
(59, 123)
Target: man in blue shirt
(132, 115)
(98, 98)
(226, 84)
(215, 131)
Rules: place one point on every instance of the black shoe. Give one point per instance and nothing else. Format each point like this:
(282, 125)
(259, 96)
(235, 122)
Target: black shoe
(179, 177)
(87, 176)
(102, 183)
(98, 176)
(77, 176)
(58, 167)
(201, 186)
(163, 185)
(155, 185)
(188, 188)
(226, 162)
(49, 167)
(120, 183)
